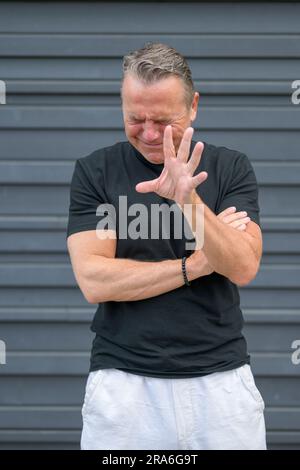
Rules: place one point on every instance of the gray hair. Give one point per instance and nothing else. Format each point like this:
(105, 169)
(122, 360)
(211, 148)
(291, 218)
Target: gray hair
(155, 61)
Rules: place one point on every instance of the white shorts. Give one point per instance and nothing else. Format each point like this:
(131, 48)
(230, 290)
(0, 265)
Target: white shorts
(125, 411)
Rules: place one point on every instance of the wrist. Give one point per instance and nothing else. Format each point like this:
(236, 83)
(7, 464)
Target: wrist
(190, 268)
(193, 198)
(184, 273)
(197, 265)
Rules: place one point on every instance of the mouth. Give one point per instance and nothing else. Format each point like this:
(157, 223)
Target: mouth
(150, 145)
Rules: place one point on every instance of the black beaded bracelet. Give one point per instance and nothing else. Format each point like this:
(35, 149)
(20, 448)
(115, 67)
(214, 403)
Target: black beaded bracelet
(186, 281)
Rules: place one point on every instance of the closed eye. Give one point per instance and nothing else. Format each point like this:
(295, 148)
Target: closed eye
(135, 121)
(163, 122)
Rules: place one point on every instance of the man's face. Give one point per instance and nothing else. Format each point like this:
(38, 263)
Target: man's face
(148, 109)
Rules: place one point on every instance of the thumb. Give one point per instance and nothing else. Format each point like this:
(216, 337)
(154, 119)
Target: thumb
(146, 186)
(200, 178)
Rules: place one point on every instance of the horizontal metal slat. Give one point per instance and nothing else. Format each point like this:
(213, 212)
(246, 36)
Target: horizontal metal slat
(46, 363)
(61, 275)
(42, 390)
(68, 144)
(90, 68)
(36, 172)
(46, 200)
(41, 417)
(257, 316)
(149, 17)
(76, 363)
(60, 172)
(52, 336)
(277, 276)
(272, 338)
(283, 419)
(110, 117)
(59, 223)
(44, 314)
(55, 275)
(55, 439)
(60, 296)
(21, 241)
(61, 417)
(16, 314)
(63, 391)
(18, 436)
(55, 296)
(116, 45)
(103, 87)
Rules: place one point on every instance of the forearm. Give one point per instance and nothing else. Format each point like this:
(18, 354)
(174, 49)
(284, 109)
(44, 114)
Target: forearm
(114, 279)
(228, 251)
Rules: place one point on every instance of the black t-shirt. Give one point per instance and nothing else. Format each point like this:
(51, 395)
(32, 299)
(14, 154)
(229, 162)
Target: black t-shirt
(192, 330)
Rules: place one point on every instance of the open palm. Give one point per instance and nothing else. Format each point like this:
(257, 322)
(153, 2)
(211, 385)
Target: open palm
(177, 180)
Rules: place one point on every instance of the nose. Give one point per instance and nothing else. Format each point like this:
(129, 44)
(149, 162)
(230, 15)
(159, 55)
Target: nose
(150, 132)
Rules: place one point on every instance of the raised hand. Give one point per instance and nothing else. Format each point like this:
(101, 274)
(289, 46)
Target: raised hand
(177, 180)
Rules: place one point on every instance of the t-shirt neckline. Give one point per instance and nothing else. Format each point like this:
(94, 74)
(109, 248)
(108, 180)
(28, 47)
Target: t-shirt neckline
(155, 166)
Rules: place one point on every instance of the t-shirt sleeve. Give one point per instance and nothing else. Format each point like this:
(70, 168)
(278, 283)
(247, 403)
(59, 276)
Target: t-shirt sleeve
(241, 189)
(86, 194)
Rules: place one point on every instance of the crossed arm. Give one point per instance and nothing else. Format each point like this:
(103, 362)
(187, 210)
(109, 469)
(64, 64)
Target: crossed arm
(101, 277)
(232, 244)
(234, 254)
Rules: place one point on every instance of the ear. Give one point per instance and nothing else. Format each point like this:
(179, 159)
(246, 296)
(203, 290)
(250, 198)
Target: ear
(194, 106)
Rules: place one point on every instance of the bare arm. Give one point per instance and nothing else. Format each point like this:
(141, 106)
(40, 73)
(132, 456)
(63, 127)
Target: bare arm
(232, 253)
(235, 255)
(101, 277)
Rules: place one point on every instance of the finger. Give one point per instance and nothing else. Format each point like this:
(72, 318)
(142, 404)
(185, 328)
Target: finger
(195, 159)
(242, 227)
(243, 221)
(185, 145)
(147, 186)
(227, 211)
(168, 144)
(234, 217)
(200, 178)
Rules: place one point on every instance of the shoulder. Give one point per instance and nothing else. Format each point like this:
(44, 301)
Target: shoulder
(225, 162)
(106, 156)
(223, 155)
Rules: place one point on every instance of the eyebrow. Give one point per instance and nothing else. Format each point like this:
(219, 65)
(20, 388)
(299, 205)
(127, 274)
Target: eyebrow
(161, 118)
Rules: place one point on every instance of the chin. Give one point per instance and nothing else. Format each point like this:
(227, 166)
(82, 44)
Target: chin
(153, 157)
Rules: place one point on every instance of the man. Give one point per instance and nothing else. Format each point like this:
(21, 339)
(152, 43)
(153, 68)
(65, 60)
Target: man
(169, 364)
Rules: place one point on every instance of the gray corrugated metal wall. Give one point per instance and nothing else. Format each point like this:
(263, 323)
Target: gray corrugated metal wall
(62, 66)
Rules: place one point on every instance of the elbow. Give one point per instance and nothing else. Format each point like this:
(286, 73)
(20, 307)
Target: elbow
(246, 277)
(95, 297)
(92, 282)
(90, 297)
(92, 287)
(88, 293)
(242, 282)
(91, 294)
